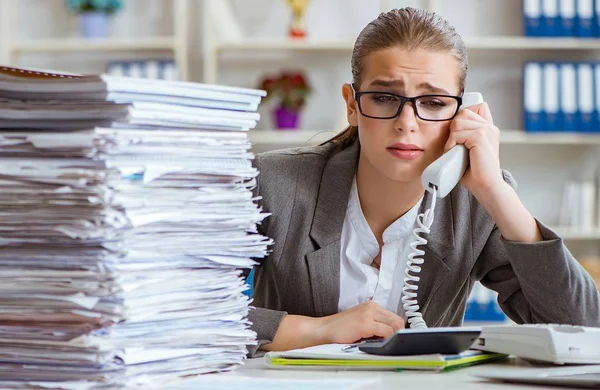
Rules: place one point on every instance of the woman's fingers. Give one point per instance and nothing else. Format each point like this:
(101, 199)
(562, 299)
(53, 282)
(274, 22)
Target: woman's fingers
(390, 319)
(379, 329)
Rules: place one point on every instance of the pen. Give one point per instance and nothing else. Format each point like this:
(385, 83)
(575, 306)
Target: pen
(350, 347)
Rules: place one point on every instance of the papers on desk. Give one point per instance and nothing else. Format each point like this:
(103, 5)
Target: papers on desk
(331, 356)
(122, 243)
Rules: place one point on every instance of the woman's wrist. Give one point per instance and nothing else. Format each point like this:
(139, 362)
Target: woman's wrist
(319, 329)
(503, 205)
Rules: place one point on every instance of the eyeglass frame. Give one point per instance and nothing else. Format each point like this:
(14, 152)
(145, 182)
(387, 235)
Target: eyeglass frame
(403, 101)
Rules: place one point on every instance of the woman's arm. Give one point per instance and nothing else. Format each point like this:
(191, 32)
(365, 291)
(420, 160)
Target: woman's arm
(510, 215)
(538, 282)
(535, 275)
(360, 322)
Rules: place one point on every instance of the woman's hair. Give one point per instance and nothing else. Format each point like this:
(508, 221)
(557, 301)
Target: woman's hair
(411, 29)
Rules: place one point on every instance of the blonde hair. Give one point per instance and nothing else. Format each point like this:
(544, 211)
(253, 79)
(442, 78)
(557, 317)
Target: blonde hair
(411, 29)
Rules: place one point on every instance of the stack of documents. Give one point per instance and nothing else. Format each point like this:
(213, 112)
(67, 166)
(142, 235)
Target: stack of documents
(126, 218)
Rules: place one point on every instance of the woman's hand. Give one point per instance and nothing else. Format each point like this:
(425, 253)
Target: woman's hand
(360, 322)
(474, 128)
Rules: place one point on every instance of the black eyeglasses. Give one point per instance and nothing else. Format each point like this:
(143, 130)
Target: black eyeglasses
(387, 105)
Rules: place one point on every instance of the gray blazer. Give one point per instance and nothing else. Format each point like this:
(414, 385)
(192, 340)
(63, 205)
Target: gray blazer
(307, 190)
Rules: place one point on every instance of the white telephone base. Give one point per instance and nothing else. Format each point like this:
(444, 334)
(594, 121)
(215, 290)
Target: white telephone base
(445, 172)
(553, 343)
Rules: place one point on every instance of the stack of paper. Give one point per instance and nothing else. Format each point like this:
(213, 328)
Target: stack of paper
(124, 226)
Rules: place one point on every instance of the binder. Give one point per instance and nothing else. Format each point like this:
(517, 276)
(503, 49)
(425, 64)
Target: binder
(596, 120)
(532, 18)
(565, 26)
(585, 96)
(550, 97)
(568, 97)
(550, 18)
(597, 18)
(585, 18)
(152, 69)
(532, 97)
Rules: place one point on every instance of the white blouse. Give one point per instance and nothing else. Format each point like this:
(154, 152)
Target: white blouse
(359, 281)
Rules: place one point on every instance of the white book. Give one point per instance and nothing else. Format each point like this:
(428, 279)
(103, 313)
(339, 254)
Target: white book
(587, 201)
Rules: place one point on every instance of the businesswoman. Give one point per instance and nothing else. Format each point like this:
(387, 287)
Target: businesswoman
(343, 212)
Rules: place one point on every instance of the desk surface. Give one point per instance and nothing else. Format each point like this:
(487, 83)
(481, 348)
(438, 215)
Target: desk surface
(460, 379)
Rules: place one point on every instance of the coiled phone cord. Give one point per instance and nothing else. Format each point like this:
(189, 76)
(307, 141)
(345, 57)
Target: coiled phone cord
(413, 266)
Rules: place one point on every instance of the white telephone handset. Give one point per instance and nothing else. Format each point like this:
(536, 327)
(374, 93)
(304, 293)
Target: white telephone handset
(446, 171)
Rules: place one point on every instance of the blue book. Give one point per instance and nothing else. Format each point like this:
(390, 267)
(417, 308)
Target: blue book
(585, 20)
(532, 97)
(566, 18)
(532, 18)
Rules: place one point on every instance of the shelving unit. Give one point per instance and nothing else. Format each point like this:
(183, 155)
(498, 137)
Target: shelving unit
(81, 44)
(12, 47)
(473, 43)
(574, 234)
(542, 161)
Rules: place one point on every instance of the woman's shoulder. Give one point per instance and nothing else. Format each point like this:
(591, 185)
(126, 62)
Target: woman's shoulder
(283, 164)
(292, 156)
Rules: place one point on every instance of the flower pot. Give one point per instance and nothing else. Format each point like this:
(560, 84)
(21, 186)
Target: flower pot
(94, 24)
(285, 119)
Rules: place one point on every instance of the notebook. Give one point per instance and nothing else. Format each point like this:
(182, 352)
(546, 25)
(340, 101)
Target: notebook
(331, 356)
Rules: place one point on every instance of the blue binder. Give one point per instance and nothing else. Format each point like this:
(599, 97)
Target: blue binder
(585, 97)
(585, 19)
(482, 305)
(532, 18)
(550, 18)
(596, 114)
(568, 97)
(551, 98)
(565, 26)
(532, 97)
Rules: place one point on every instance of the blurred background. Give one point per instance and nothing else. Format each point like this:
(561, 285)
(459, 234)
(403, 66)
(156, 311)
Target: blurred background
(534, 61)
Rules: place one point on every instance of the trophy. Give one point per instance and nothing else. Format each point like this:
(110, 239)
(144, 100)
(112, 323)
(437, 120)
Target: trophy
(298, 25)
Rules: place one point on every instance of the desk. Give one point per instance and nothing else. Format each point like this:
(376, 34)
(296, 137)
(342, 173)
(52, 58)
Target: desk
(405, 380)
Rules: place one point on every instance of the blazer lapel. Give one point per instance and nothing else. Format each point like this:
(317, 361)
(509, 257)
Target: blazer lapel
(326, 230)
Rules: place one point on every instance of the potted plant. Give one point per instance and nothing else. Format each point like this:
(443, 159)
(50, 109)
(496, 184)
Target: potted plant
(290, 89)
(94, 15)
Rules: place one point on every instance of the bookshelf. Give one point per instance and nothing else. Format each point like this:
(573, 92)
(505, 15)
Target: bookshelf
(12, 47)
(541, 162)
(473, 43)
(81, 44)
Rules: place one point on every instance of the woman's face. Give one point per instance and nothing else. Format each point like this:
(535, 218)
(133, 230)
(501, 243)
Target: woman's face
(402, 147)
